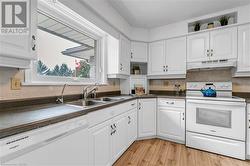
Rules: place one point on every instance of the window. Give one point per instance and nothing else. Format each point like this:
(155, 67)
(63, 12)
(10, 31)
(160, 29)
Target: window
(69, 48)
(63, 51)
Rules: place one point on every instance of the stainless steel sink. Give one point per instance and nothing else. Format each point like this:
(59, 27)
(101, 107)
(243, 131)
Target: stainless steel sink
(87, 103)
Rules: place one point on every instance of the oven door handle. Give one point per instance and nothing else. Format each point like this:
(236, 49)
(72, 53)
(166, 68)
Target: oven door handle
(217, 103)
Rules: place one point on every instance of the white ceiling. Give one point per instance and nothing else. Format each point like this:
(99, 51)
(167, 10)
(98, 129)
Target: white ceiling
(153, 13)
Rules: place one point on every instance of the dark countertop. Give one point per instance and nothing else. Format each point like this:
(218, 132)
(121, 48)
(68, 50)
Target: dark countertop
(14, 120)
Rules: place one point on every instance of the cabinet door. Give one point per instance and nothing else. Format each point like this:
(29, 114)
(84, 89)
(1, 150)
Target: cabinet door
(119, 136)
(139, 52)
(176, 56)
(58, 152)
(171, 123)
(132, 126)
(147, 117)
(156, 58)
(100, 144)
(16, 50)
(243, 48)
(124, 58)
(198, 47)
(223, 44)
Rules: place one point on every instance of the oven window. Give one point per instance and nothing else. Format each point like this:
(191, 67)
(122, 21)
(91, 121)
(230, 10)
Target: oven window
(213, 117)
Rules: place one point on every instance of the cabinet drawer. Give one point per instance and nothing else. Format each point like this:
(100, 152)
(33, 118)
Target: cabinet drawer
(218, 145)
(124, 107)
(102, 115)
(171, 102)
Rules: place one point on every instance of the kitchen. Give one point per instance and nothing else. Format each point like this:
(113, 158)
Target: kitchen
(119, 82)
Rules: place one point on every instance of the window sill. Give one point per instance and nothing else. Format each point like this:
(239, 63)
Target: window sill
(58, 83)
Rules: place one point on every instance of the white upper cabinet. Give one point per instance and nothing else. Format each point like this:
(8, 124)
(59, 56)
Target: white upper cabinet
(125, 53)
(17, 50)
(223, 44)
(243, 65)
(139, 52)
(167, 59)
(156, 58)
(176, 56)
(198, 47)
(217, 48)
(118, 57)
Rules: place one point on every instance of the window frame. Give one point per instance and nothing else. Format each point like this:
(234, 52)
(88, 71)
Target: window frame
(65, 15)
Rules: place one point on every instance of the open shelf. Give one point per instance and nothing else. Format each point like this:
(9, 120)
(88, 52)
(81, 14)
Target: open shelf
(214, 21)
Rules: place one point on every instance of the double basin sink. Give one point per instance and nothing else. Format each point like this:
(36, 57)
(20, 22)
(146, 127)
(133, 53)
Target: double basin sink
(95, 102)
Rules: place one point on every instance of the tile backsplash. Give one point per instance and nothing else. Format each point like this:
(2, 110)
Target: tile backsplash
(239, 84)
(40, 91)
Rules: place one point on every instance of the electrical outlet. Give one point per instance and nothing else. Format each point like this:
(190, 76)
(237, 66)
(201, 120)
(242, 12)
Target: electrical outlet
(15, 84)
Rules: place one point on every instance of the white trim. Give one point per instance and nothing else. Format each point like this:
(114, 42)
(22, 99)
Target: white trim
(61, 13)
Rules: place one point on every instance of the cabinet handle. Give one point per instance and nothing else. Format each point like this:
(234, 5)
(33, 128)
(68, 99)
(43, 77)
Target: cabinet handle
(129, 119)
(33, 42)
(183, 116)
(170, 102)
(249, 123)
(131, 55)
(212, 52)
(132, 104)
(207, 53)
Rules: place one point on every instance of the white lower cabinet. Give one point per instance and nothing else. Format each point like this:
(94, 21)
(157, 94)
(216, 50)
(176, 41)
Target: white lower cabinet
(100, 144)
(132, 126)
(113, 133)
(171, 120)
(147, 118)
(119, 136)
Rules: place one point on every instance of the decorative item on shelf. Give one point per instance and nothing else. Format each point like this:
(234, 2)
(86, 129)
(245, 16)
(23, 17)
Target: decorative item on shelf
(136, 70)
(217, 24)
(210, 25)
(139, 90)
(224, 20)
(204, 26)
(197, 26)
(231, 20)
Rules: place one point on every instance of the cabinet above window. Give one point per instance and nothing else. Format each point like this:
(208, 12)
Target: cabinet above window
(18, 49)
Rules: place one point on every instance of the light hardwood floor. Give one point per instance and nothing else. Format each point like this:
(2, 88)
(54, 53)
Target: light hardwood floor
(156, 152)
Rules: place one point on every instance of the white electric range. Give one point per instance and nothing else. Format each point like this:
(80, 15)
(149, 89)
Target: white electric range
(216, 124)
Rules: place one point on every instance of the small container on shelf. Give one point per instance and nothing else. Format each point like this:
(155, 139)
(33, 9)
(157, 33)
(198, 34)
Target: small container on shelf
(210, 25)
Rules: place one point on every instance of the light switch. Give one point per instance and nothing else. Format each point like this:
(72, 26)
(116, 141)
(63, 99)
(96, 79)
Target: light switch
(15, 84)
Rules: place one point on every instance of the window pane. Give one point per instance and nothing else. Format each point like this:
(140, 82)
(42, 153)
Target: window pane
(63, 51)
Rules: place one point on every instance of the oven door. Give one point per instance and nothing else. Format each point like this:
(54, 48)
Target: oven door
(217, 118)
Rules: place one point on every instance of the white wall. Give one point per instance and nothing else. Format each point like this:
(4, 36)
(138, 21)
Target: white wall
(139, 34)
(109, 14)
(85, 11)
(102, 14)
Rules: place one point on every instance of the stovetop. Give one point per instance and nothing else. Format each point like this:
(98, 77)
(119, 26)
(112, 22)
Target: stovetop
(219, 98)
(223, 90)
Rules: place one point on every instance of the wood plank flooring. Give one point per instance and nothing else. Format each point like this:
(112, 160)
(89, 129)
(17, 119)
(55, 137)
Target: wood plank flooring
(156, 152)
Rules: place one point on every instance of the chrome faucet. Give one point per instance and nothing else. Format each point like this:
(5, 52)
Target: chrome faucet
(60, 99)
(86, 92)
